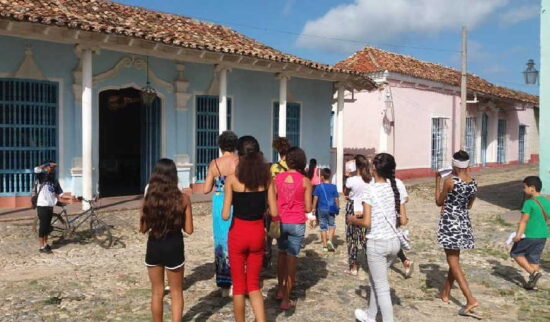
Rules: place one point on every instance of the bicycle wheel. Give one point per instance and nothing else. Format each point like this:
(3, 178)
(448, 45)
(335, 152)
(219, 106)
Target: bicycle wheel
(59, 228)
(102, 232)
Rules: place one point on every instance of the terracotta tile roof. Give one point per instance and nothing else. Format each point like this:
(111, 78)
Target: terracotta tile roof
(372, 59)
(115, 18)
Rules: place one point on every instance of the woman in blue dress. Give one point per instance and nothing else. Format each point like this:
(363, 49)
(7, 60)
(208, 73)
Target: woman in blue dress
(218, 170)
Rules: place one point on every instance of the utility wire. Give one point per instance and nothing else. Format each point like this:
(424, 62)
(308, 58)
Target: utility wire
(323, 37)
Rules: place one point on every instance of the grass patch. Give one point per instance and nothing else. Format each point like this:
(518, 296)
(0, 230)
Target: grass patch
(502, 222)
(53, 300)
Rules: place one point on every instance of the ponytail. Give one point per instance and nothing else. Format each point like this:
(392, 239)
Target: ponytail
(385, 167)
(362, 166)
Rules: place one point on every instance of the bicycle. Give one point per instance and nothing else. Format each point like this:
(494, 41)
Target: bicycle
(64, 227)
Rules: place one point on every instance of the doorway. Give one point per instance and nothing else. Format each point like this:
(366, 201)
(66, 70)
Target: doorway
(129, 142)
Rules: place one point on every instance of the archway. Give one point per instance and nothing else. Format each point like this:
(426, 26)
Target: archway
(129, 141)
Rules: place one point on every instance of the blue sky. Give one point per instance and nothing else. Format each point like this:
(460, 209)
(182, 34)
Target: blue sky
(503, 34)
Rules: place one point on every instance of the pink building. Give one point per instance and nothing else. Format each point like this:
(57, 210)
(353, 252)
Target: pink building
(415, 114)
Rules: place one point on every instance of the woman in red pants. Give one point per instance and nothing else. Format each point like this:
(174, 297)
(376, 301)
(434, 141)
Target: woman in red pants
(246, 191)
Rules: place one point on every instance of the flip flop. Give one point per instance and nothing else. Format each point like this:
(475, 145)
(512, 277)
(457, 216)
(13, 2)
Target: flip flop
(290, 305)
(470, 312)
(352, 272)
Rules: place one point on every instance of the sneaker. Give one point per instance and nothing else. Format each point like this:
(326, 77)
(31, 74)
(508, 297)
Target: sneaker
(330, 246)
(46, 249)
(533, 279)
(325, 248)
(361, 315)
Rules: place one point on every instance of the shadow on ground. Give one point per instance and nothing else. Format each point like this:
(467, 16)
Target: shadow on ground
(200, 273)
(435, 278)
(206, 307)
(507, 194)
(508, 273)
(311, 268)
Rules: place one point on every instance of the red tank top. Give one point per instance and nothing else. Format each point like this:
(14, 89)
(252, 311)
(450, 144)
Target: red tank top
(291, 198)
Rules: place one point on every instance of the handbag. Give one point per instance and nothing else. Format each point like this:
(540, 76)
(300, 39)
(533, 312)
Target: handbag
(332, 208)
(274, 229)
(35, 194)
(402, 235)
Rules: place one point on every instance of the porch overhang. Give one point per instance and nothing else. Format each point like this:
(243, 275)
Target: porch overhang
(180, 53)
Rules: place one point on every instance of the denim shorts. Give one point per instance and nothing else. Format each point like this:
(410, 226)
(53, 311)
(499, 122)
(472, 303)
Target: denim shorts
(326, 220)
(531, 248)
(291, 238)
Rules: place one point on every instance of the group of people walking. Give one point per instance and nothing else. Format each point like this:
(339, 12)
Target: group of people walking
(254, 202)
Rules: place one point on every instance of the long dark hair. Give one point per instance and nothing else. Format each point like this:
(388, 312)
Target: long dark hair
(384, 165)
(362, 164)
(252, 169)
(311, 168)
(163, 208)
(296, 159)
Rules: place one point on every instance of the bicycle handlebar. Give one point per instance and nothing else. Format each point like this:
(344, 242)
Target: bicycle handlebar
(80, 198)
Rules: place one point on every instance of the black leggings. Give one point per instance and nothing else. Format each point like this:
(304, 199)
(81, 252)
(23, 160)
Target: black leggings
(402, 256)
(45, 220)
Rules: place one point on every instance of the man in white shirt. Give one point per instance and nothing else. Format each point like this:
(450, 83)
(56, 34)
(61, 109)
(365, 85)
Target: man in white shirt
(48, 191)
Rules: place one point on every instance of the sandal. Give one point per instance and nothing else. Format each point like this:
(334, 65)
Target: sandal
(469, 311)
(352, 272)
(288, 306)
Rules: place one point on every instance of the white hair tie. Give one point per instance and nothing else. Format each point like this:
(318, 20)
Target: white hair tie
(461, 164)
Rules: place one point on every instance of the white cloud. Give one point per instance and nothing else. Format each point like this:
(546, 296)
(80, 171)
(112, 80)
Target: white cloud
(370, 21)
(519, 14)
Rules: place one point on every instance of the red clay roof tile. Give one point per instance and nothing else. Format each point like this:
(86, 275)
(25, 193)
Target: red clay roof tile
(371, 59)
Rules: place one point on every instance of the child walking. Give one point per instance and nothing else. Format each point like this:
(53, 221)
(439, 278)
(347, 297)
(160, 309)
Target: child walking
(326, 206)
(166, 211)
(533, 223)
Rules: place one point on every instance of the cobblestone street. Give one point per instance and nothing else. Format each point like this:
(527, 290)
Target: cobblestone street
(82, 281)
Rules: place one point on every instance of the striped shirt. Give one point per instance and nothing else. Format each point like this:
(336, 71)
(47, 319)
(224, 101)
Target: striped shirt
(380, 197)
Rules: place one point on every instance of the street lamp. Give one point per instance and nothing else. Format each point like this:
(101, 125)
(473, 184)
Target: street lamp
(148, 93)
(531, 74)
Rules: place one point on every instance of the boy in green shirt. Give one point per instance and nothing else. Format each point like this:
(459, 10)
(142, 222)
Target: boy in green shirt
(527, 251)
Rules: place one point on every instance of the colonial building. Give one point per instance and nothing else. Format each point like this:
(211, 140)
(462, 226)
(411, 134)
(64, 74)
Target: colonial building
(415, 114)
(106, 89)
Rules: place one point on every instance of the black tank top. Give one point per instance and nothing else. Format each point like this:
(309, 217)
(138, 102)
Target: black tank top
(249, 205)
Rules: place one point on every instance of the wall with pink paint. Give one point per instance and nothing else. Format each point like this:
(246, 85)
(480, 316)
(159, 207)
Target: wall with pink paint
(363, 120)
(415, 107)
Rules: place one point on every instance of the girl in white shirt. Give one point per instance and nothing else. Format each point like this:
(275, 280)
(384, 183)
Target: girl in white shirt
(356, 186)
(383, 203)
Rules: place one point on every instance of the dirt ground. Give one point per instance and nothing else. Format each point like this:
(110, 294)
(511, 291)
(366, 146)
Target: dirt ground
(83, 282)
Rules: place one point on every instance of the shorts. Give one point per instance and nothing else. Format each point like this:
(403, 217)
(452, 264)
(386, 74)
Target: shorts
(531, 248)
(167, 251)
(326, 220)
(291, 238)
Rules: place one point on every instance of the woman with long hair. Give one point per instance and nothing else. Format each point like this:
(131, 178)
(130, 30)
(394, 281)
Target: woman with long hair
(383, 203)
(455, 233)
(246, 191)
(292, 192)
(313, 172)
(218, 170)
(356, 185)
(166, 212)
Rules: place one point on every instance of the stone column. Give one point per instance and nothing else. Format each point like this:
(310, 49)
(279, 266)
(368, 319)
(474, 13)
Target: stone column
(222, 114)
(283, 79)
(340, 138)
(87, 126)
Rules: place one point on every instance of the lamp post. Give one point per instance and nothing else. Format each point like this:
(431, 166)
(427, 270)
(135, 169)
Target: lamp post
(148, 93)
(530, 74)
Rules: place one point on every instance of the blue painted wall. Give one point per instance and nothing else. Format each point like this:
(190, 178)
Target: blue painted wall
(253, 94)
